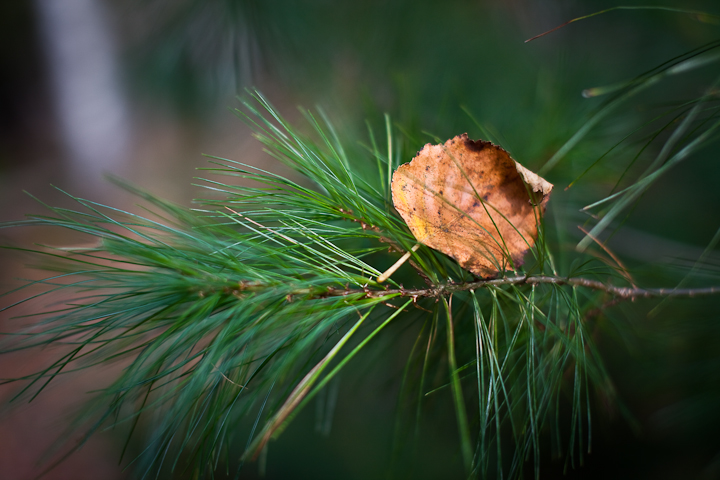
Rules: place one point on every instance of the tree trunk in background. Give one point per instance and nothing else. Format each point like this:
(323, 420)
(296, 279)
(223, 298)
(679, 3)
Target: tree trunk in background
(89, 101)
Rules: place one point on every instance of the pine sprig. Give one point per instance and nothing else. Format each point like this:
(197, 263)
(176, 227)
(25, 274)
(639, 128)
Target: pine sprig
(245, 308)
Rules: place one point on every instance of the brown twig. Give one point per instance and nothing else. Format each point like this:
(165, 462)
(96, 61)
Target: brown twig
(450, 288)
(622, 292)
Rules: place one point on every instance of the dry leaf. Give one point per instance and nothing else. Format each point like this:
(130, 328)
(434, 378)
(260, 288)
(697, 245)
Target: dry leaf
(471, 201)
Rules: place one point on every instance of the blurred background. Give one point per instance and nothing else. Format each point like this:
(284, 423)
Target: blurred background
(142, 88)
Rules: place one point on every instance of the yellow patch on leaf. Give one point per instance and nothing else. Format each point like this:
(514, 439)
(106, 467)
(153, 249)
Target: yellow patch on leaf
(472, 201)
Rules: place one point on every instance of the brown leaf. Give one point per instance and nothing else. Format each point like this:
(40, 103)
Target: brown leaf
(471, 201)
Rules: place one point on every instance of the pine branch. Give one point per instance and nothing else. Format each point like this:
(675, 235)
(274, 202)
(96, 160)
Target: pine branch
(251, 301)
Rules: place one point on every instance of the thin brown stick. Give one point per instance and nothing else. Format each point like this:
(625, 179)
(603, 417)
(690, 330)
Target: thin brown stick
(450, 288)
(549, 31)
(623, 292)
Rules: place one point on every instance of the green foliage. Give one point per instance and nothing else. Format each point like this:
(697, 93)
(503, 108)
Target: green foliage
(220, 310)
(229, 318)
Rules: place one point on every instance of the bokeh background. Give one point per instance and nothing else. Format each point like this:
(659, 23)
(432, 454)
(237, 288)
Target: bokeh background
(142, 88)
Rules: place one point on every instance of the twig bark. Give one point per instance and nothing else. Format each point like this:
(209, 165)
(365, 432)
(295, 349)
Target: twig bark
(622, 292)
(449, 288)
